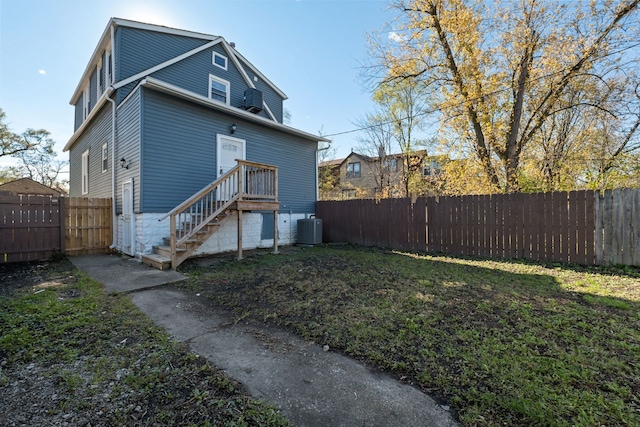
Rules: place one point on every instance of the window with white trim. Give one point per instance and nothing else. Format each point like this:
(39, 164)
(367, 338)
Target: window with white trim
(109, 70)
(220, 60)
(85, 172)
(85, 102)
(105, 158)
(218, 89)
(100, 85)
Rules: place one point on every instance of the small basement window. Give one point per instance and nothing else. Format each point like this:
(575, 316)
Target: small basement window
(219, 60)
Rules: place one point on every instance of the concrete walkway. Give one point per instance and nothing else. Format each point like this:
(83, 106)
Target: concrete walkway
(310, 386)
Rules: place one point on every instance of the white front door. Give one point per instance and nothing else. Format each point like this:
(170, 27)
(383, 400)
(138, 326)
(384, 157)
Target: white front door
(229, 150)
(128, 219)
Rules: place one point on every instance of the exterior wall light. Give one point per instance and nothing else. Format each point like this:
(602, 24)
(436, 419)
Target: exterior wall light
(124, 164)
(233, 128)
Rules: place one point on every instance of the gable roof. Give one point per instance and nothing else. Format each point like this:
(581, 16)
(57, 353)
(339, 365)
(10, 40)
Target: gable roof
(105, 40)
(151, 83)
(28, 186)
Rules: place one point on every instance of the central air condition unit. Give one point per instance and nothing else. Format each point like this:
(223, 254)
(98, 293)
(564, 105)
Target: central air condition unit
(253, 100)
(309, 231)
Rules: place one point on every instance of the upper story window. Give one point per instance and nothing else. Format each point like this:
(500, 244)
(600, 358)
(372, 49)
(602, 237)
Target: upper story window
(218, 89)
(353, 170)
(100, 85)
(109, 67)
(85, 102)
(219, 60)
(431, 169)
(394, 165)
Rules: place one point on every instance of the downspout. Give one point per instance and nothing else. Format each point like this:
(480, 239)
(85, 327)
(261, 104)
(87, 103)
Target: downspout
(113, 142)
(113, 166)
(317, 177)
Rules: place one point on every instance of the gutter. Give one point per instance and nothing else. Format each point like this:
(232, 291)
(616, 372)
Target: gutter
(161, 86)
(113, 166)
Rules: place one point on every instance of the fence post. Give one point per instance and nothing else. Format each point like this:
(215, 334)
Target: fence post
(61, 220)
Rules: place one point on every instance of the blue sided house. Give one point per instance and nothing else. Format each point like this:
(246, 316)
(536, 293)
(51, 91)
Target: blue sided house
(187, 137)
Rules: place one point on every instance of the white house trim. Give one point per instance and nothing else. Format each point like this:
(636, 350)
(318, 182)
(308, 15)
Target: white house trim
(260, 75)
(223, 82)
(84, 124)
(119, 22)
(161, 86)
(268, 110)
(164, 64)
(106, 41)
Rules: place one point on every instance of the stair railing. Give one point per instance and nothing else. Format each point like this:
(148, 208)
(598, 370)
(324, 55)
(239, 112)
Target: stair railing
(245, 181)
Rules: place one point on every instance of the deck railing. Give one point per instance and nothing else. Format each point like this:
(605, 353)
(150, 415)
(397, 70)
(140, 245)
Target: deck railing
(245, 181)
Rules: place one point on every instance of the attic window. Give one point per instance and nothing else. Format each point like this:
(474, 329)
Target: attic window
(219, 60)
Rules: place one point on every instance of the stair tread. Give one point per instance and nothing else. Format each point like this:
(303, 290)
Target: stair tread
(168, 248)
(156, 257)
(157, 261)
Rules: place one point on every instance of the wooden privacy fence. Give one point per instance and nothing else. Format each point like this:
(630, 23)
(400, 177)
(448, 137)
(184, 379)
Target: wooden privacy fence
(584, 227)
(392, 223)
(30, 227)
(34, 227)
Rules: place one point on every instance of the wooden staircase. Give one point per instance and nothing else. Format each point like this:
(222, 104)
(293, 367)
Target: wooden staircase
(247, 186)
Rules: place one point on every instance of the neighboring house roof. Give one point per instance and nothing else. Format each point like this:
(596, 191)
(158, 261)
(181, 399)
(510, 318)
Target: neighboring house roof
(105, 40)
(366, 158)
(336, 162)
(28, 186)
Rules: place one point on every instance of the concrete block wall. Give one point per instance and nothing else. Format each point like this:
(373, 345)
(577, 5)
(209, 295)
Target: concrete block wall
(150, 232)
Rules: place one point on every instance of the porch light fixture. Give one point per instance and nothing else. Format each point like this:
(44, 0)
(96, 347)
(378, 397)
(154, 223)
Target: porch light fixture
(124, 164)
(233, 128)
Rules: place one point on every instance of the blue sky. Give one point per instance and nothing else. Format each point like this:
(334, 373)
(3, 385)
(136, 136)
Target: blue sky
(312, 50)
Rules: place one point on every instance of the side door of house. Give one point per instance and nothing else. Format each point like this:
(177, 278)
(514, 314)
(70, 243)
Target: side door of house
(229, 149)
(128, 219)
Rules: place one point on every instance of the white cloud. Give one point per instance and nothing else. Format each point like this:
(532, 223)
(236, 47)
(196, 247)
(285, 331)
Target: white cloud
(42, 72)
(395, 37)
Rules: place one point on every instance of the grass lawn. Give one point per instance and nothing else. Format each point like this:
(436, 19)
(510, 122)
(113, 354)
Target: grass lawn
(504, 343)
(72, 355)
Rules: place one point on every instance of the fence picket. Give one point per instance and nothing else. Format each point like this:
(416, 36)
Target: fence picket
(585, 227)
(635, 236)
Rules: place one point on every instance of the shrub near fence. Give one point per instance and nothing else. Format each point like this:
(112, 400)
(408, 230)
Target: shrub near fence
(583, 227)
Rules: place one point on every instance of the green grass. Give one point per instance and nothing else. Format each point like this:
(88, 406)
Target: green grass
(101, 351)
(505, 343)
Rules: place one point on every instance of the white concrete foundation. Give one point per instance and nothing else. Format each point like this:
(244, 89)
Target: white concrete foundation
(150, 232)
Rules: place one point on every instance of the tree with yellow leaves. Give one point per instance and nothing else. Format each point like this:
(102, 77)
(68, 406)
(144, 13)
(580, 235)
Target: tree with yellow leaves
(499, 73)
